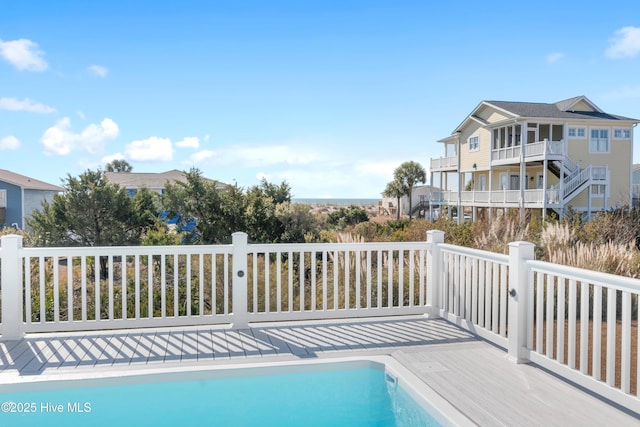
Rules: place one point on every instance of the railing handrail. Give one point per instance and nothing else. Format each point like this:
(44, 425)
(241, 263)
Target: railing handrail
(605, 280)
(477, 253)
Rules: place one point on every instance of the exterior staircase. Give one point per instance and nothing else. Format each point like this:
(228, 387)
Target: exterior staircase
(574, 179)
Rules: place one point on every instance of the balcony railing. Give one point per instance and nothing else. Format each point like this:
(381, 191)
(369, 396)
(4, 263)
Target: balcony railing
(444, 163)
(534, 149)
(501, 197)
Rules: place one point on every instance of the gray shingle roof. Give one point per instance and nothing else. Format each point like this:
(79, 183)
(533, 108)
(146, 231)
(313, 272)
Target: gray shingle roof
(543, 110)
(148, 180)
(26, 182)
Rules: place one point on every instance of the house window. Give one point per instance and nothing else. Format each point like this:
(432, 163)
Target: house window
(622, 133)
(474, 143)
(599, 142)
(598, 190)
(576, 132)
(540, 183)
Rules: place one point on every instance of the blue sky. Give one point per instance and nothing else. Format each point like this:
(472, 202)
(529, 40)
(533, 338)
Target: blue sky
(330, 96)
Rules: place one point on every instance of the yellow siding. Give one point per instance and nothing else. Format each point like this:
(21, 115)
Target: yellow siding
(582, 106)
(491, 115)
(618, 161)
(481, 157)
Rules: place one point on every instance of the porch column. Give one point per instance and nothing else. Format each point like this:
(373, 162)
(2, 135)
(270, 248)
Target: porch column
(239, 280)
(545, 171)
(434, 276)
(12, 303)
(519, 254)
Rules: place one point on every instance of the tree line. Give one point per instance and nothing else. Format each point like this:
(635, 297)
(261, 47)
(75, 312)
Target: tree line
(94, 212)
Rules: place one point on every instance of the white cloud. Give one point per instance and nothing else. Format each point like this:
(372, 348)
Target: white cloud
(152, 149)
(98, 70)
(200, 157)
(60, 140)
(206, 138)
(9, 143)
(625, 43)
(81, 115)
(554, 57)
(23, 54)
(189, 142)
(250, 156)
(13, 104)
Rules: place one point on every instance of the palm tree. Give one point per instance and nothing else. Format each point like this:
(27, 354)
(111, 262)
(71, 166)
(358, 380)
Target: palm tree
(409, 174)
(118, 165)
(395, 189)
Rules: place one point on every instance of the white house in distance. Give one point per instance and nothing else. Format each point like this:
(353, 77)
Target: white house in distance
(545, 157)
(20, 195)
(422, 196)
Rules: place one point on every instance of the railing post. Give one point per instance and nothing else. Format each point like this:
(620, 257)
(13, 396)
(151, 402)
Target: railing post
(239, 281)
(11, 288)
(434, 282)
(519, 254)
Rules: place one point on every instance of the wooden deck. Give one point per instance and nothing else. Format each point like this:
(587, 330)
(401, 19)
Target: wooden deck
(473, 375)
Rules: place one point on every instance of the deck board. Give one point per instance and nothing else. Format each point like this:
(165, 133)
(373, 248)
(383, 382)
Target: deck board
(473, 375)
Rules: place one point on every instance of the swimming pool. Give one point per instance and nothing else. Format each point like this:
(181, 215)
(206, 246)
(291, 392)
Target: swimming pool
(346, 393)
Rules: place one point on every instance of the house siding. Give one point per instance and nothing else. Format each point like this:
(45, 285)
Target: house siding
(14, 204)
(33, 201)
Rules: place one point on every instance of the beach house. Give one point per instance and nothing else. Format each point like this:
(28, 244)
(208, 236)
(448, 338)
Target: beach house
(20, 195)
(546, 157)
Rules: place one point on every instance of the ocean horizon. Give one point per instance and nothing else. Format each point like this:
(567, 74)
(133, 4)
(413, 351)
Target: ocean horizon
(335, 201)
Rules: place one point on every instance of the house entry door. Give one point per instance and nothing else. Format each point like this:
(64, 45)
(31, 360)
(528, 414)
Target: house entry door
(532, 133)
(514, 183)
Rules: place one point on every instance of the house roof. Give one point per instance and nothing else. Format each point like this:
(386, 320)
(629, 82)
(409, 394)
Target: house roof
(150, 180)
(576, 108)
(552, 111)
(25, 182)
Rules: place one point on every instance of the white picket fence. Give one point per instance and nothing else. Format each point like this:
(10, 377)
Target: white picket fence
(570, 321)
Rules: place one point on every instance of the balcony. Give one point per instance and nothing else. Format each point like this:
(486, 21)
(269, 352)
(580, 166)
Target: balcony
(503, 198)
(535, 151)
(444, 164)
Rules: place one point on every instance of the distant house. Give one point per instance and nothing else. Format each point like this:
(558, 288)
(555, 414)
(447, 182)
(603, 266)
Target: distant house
(156, 182)
(20, 196)
(422, 197)
(546, 157)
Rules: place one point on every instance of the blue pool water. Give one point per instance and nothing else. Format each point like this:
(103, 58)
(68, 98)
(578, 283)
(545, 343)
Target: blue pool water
(340, 397)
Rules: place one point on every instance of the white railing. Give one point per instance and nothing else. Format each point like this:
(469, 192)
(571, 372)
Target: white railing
(507, 153)
(576, 181)
(129, 287)
(534, 196)
(576, 323)
(473, 290)
(532, 149)
(511, 197)
(444, 163)
(576, 319)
